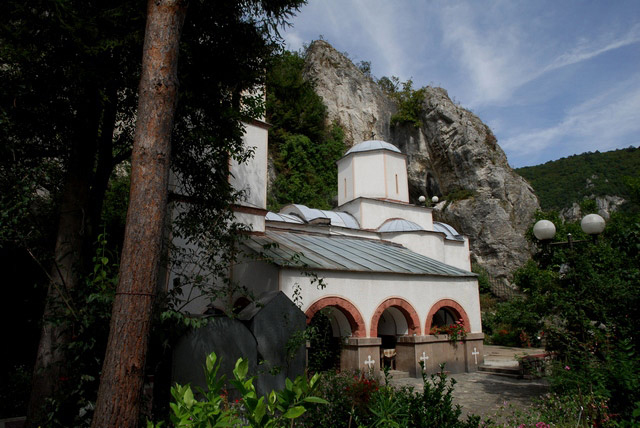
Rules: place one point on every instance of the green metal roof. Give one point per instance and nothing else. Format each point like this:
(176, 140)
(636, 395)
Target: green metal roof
(342, 253)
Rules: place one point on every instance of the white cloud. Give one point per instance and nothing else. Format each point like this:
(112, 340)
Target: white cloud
(500, 54)
(601, 123)
(588, 51)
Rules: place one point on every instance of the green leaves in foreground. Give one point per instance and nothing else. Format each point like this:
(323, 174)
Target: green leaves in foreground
(215, 410)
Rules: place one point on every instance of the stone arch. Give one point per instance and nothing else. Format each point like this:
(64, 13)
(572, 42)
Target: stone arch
(452, 306)
(346, 307)
(410, 314)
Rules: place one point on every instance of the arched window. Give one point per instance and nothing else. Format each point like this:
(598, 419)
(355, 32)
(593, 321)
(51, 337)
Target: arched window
(446, 312)
(443, 317)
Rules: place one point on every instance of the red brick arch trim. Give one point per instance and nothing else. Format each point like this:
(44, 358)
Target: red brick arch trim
(410, 314)
(454, 307)
(346, 307)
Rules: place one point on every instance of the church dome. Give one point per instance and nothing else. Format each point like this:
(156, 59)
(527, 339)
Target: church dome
(399, 225)
(370, 145)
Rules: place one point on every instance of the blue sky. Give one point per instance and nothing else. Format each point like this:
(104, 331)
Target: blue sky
(551, 78)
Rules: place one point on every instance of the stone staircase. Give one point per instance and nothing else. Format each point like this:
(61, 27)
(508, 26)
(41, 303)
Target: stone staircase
(502, 361)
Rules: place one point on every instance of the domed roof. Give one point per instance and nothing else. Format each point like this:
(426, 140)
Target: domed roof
(399, 225)
(448, 230)
(367, 146)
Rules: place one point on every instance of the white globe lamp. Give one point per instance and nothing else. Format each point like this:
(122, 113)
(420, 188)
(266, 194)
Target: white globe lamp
(592, 224)
(544, 230)
(435, 199)
(422, 199)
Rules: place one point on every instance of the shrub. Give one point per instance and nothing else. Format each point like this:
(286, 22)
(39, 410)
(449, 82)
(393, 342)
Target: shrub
(356, 401)
(214, 410)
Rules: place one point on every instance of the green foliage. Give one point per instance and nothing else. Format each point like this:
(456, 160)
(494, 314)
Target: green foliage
(87, 312)
(357, 401)
(484, 281)
(116, 202)
(459, 194)
(278, 409)
(556, 410)
(410, 104)
(364, 67)
(434, 407)
(583, 300)
(560, 183)
(324, 352)
(456, 331)
(389, 85)
(307, 170)
(303, 148)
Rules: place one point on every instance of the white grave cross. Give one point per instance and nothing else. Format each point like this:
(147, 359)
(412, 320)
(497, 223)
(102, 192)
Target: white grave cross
(369, 362)
(424, 359)
(475, 354)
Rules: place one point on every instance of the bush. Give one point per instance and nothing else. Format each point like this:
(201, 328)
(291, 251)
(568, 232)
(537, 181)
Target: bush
(585, 299)
(357, 401)
(276, 410)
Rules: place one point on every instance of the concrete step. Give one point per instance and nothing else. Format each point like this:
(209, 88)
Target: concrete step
(397, 374)
(513, 372)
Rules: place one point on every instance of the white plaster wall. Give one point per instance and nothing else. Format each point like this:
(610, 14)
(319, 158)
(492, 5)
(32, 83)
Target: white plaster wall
(434, 245)
(251, 176)
(345, 180)
(193, 301)
(428, 244)
(368, 173)
(256, 222)
(367, 291)
(196, 303)
(457, 253)
(371, 213)
(396, 165)
(257, 276)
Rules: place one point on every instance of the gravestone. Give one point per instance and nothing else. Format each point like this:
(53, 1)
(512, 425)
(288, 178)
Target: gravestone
(277, 325)
(228, 338)
(263, 333)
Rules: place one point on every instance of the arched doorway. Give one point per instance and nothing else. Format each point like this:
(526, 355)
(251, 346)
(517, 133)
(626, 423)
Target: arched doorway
(330, 320)
(444, 313)
(393, 318)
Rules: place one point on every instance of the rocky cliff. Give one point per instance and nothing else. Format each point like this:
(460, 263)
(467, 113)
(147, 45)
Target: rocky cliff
(452, 155)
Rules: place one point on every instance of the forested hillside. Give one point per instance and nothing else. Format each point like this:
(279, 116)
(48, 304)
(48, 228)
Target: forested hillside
(558, 184)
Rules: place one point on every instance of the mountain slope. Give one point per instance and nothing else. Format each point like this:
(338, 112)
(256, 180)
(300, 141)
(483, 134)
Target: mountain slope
(561, 183)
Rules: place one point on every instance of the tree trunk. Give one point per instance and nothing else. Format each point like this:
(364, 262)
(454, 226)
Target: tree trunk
(121, 382)
(69, 257)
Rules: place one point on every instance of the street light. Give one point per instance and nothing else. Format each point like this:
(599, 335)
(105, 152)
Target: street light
(591, 224)
(544, 230)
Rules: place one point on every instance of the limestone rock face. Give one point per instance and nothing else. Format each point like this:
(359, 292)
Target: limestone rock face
(606, 205)
(452, 155)
(353, 99)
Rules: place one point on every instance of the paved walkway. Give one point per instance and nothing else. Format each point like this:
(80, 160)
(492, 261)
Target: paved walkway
(483, 394)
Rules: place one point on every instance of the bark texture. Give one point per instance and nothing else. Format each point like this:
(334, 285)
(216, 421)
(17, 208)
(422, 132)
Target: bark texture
(121, 382)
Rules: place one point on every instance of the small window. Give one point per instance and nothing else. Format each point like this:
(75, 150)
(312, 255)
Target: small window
(397, 191)
(345, 187)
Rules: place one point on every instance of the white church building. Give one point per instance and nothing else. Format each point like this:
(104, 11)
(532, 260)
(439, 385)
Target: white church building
(392, 273)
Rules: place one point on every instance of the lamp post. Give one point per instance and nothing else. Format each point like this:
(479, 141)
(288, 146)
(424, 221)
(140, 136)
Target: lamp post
(591, 224)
